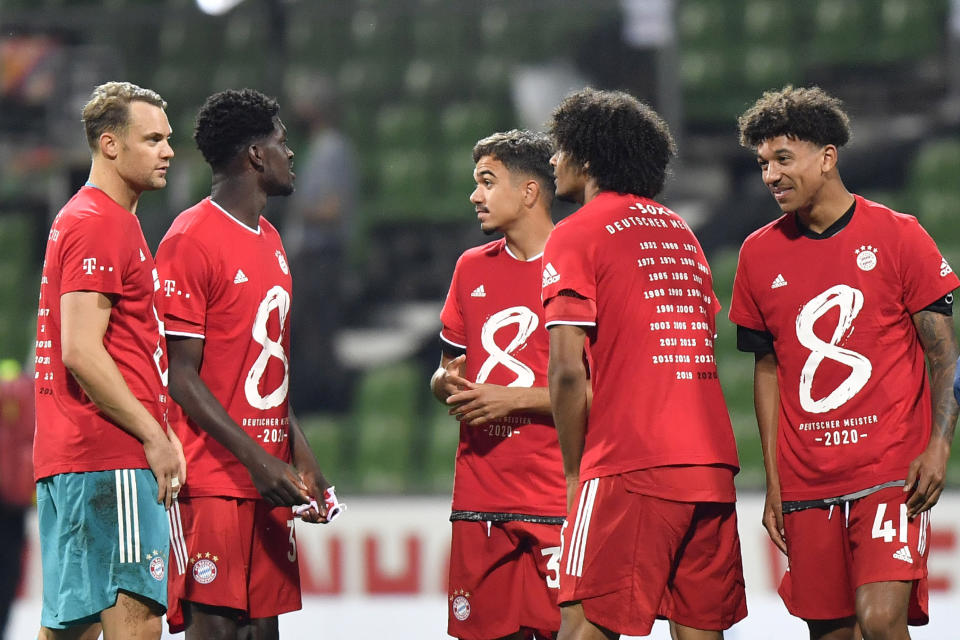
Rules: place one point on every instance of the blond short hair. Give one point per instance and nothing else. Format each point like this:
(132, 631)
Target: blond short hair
(108, 109)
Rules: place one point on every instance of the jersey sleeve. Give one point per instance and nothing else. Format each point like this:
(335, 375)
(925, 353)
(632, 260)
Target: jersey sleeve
(92, 258)
(569, 291)
(185, 275)
(924, 272)
(454, 331)
(744, 310)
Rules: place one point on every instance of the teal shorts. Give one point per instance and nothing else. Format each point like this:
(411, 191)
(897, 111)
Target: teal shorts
(100, 532)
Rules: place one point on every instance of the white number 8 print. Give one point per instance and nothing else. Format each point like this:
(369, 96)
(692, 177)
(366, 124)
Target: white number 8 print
(277, 298)
(848, 301)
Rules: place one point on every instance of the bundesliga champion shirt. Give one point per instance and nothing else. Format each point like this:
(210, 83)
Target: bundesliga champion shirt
(229, 285)
(493, 312)
(854, 396)
(644, 292)
(97, 245)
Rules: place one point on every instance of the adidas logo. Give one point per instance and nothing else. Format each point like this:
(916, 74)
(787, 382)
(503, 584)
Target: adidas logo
(903, 554)
(778, 282)
(241, 277)
(479, 292)
(550, 275)
(944, 268)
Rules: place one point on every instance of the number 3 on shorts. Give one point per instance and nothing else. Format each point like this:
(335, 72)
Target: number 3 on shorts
(884, 528)
(553, 566)
(292, 554)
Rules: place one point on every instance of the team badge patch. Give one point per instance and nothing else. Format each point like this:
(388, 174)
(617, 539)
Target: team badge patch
(866, 258)
(283, 263)
(157, 566)
(204, 568)
(460, 604)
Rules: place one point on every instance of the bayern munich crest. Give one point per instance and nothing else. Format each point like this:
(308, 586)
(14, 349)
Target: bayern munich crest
(460, 605)
(866, 258)
(204, 568)
(157, 567)
(283, 263)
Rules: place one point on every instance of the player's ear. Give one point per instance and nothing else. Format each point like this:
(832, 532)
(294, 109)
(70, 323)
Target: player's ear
(255, 157)
(109, 145)
(531, 192)
(830, 157)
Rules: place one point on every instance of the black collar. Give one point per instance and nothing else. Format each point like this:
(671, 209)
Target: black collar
(830, 231)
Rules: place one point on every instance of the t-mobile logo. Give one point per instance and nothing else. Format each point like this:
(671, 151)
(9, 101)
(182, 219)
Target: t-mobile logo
(89, 265)
(169, 286)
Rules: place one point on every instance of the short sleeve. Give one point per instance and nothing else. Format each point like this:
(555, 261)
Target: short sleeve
(185, 276)
(924, 272)
(92, 258)
(453, 331)
(569, 267)
(744, 310)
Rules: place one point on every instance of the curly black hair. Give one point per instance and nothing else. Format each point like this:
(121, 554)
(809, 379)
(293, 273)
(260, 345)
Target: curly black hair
(623, 144)
(521, 151)
(809, 114)
(231, 120)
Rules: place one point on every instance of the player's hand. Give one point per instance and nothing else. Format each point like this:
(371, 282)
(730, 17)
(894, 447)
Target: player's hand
(478, 404)
(316, 486)
(175, 441)
(278, 482)
(451, 381)
(773, 520)
(927, 476)
(164, 462)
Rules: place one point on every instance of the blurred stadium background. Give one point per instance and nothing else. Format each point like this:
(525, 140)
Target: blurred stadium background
(418, 82)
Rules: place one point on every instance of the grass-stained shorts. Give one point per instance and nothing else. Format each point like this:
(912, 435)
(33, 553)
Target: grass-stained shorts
(100, 532)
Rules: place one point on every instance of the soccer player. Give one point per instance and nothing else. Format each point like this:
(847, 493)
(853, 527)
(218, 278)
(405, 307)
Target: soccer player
(508, 497)
(105, 463)
(652, 529)
(840, 299)
(226, 288)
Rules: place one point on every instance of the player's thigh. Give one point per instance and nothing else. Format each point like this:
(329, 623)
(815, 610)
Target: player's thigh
(205, 622)
(706, 591)
(882, 608)
(274, 586)
(619, 548)
(260, 629)
(89, 631)
(888, 547)
(818, 584)
(101, 533)
(133, 617)
(485, 581)
(575, 626)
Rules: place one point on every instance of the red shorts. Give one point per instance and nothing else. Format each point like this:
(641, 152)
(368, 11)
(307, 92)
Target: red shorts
(630, 558)
(503, 578)
(832, 552)
(235, 553)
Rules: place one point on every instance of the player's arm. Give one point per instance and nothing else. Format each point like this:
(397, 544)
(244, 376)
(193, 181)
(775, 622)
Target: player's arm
(567, 375)
(766, 404)
(928, 471)
(278, 482)
(306, 463)
(85, 316)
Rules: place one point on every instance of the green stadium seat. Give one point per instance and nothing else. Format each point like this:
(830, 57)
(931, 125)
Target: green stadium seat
(909, 29)
(843, 32)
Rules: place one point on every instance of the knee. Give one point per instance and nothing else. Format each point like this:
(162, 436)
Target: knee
(882, 621)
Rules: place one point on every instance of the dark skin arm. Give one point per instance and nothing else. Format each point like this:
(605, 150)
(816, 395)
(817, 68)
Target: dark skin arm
(568, 395)
(766, 404)
(278, 482)
(311, 475)
(928, 471)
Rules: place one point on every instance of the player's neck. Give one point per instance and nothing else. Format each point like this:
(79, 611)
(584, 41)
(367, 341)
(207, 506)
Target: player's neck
(832, 202)
(590, 190)
(105, 178)
(239, 197)
(528, 240)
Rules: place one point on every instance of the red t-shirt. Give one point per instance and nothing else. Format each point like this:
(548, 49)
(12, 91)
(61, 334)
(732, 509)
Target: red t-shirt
(230, 285)
(646, 297)
(854, 397)
(493, 311)
(96, 245)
